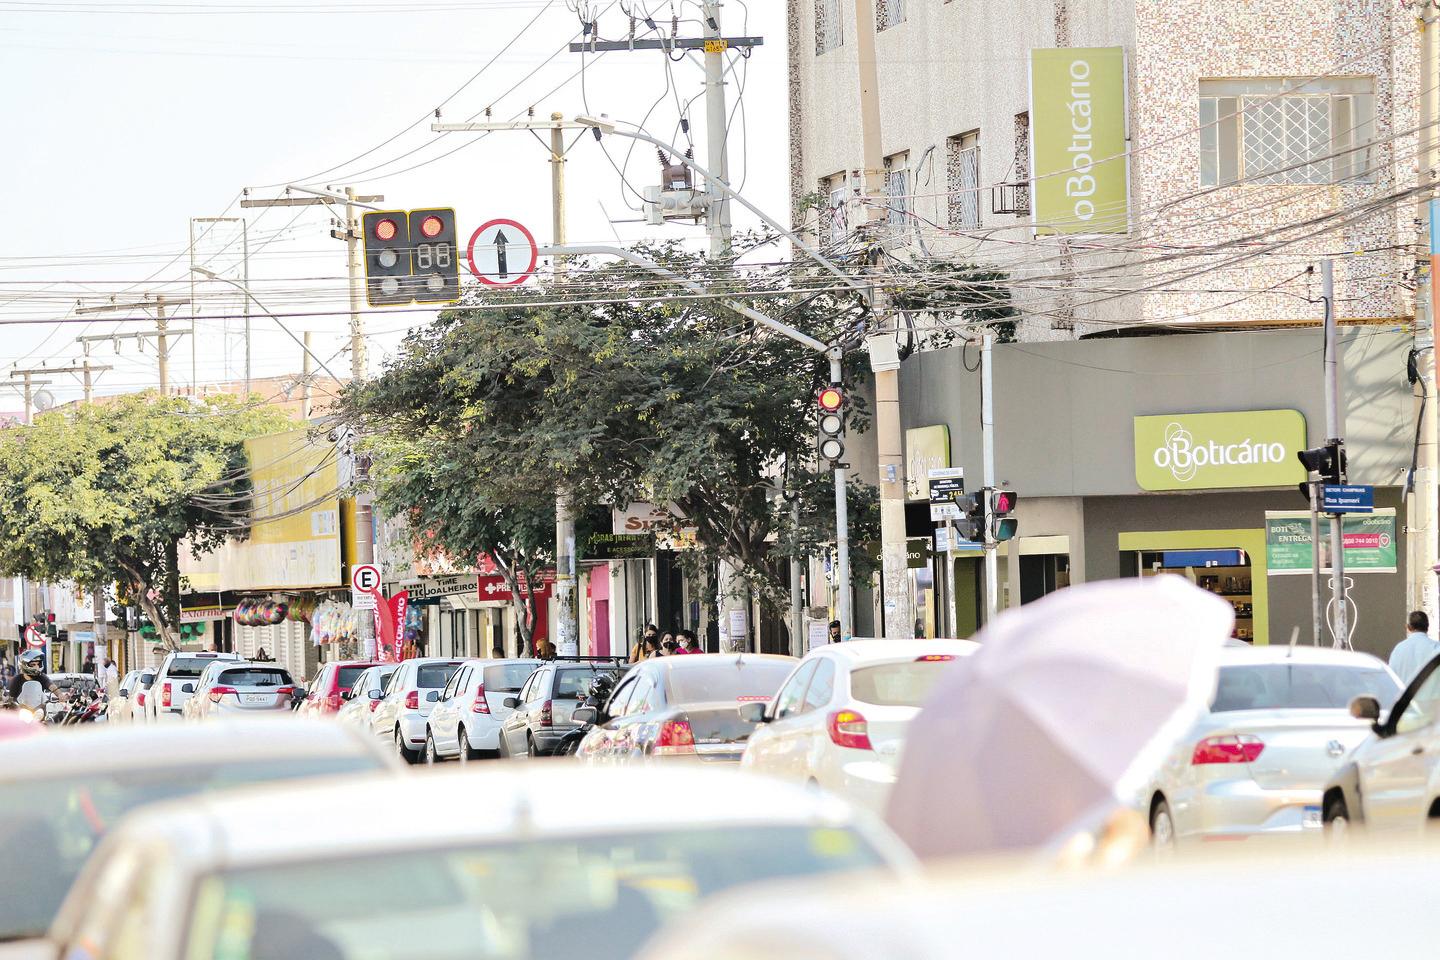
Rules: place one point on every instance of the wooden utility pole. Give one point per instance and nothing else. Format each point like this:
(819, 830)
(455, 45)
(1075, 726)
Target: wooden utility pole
(162, 332)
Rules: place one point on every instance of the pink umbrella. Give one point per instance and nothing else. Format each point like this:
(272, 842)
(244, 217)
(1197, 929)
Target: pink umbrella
(1069, 702)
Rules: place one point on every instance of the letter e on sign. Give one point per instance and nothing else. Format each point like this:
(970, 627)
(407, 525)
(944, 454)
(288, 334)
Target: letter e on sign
(365, 578)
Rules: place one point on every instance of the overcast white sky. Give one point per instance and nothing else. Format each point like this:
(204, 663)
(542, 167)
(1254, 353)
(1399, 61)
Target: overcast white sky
(125, 119)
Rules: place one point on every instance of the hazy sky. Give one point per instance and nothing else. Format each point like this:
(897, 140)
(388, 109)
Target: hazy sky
(126, 119)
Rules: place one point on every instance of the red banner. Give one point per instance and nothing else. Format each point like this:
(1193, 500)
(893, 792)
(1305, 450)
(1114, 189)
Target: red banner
(494, 588)
(398, 605)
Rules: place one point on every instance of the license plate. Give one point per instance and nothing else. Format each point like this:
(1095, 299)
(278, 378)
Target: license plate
(1310, 820)
(257, 698)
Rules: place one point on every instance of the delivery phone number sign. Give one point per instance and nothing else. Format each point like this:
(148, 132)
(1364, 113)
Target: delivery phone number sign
(1367, 539)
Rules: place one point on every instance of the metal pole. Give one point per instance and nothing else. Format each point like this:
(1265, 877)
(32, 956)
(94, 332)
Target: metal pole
(987, 478)
(364, 511)
(1423, 540)
(797, 614)
(567, 626)
(161, 325)
(1317, 609)
(1334, 431)
(952, 609)
(307, 371)
(843, 591)
(244, 279)
(715, 123)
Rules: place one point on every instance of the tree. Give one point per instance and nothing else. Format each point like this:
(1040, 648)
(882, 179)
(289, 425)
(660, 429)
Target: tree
(105, 492)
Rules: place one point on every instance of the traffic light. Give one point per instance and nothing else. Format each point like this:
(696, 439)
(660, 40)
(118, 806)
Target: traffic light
(1003, 526)
(435, 259)
(387, 257)
(1327, 461)
(830, 444)
(971, 525)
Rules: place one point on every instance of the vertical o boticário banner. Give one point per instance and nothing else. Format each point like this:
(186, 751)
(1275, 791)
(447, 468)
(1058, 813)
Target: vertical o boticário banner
(1078, 123)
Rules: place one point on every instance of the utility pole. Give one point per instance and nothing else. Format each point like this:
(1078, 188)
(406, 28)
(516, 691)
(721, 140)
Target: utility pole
(214, 275)
(898, 618)
(162, 332)
(28, 385)
(987, 476)
(1334, 437)
(86, 368)
(716, 118)
(306, 371)
(1425, 507)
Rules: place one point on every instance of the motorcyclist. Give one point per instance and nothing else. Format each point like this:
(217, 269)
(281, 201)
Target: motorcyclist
(32, 667)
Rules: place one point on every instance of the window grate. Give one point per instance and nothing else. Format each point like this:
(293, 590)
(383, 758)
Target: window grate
(1021, 200)
(889, 13)
(963, 180)
(1284, 132)
(828, 33)
(897, 191)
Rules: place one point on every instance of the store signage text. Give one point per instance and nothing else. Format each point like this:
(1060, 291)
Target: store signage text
(1081, 174)
(1201, 451)
(1367, 539)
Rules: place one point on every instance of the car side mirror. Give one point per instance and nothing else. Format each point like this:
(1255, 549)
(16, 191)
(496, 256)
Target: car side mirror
(376, 694)
(432, 696)
(346, 694)
(512, 702)
(585, 715)
(753, 712)
(188, 688)
(1365, 708)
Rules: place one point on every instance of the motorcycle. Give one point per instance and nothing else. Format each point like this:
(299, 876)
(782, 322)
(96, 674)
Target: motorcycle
(84, 706)
(30, 703)
(599, 694)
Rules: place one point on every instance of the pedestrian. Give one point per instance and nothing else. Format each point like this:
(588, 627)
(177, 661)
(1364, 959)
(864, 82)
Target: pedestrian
(545, 649)
(110, 677)
(668, 645)
(652, 648)
(89, 665)
(7, 673)
(637, 651)
(498, 652)
(1417, 649)
(835, 636)
(260, 654)
(692, 644)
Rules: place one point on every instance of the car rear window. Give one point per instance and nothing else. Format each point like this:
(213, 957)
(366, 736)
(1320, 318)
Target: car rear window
(255, 677)
(1272, 686)
(896, 684)
(508, 677)
(727, 679)
(188, 668)
(433, 676)
(574, 683)
(348, 676)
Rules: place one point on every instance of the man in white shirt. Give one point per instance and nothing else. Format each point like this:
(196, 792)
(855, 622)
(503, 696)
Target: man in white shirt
(1417, 649)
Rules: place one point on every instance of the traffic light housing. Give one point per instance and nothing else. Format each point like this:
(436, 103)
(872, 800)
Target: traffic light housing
(1003, 526)
(830, 443)
(387, 258)
(971, 525)
(434, 256)
(1327, 461)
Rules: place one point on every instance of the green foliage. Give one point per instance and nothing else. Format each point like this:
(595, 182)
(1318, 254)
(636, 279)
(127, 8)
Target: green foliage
(105, 492)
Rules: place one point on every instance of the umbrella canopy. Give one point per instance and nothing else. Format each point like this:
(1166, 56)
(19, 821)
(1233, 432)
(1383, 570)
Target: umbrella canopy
(1069, 702)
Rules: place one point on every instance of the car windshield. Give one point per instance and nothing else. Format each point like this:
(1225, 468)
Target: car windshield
(602, 896)
(49, 826)
(188, 668)
(348, 676)
(573, 683)
(508, 677)
(1270, 686)
(255, 677)
(727, 679)
(896, 684)
(433, 676)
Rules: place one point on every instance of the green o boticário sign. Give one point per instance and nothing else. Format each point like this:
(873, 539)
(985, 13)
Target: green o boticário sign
(1077, 114)
(1207, 451)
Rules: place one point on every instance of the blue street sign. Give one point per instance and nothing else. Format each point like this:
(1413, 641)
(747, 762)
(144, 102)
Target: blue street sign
(1347, 499)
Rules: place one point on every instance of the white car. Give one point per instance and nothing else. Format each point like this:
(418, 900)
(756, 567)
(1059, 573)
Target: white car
(175, 683)
(466, 721)
(229, 687)
(840, 719)
(1277, 729)
(362, 699)
(412, 694)
(528, 874)
(60, 794)
(128, 704)
(1390, 784)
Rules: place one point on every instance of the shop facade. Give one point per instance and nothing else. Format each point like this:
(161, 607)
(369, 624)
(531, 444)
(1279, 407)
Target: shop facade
(1138, 456)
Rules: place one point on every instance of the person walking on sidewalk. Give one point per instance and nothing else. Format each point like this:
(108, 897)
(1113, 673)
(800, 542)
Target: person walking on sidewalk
(1417, 649)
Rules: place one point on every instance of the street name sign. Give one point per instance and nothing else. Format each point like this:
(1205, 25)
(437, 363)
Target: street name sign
(1339, 498)
(502, 253)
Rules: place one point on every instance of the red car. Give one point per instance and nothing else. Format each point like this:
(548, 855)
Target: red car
(325, 696)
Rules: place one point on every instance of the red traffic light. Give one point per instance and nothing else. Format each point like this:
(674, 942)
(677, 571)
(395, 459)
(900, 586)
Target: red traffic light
(1002, 502)
(385, 230)
(830, 399)
(431, 227)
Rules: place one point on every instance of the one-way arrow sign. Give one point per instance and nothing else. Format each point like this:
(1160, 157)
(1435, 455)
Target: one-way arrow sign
(502, 253)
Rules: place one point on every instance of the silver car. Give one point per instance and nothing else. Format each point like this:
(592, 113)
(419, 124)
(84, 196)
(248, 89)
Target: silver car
(412, 694)
(362, 699)
(1256, 764)
(128, 704)
(227, 687)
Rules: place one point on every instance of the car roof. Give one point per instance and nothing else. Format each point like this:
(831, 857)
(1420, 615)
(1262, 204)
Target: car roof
(1284, 653)
(296, 822)
(104, 747)
(697, 661)
(879, 651)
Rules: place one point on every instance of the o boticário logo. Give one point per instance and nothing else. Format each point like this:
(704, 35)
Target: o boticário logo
(1200, 451)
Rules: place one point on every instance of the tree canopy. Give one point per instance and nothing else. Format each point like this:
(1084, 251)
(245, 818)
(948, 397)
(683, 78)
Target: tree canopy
(105, 492)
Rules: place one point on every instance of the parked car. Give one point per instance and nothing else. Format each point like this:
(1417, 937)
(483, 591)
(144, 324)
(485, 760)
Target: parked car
(1256, 763)
(227, 687)
(543, 706)
(683, 707)
(839, 720)
(528, 874)
(1390, 783)
(413, 692)
(466, 721)
(331, 687)
(60, 794)
(366, 694)
(128, 704)
(175, 683)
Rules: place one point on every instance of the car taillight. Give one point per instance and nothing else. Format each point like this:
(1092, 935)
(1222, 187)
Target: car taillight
(1236, 748)
(290, 692)
(332, 701)
(547, 715)
(480, 706)
(373, 705)
(215, 692)
(412, 700)
(141, 698)
(935, 658)
(165, 695)
(849, 729)
(675, 738)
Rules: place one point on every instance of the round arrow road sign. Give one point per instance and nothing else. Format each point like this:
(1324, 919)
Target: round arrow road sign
(502, 253)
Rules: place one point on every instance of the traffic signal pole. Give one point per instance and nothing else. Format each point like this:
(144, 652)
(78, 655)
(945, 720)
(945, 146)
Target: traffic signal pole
(987, 475)
(1334, 431)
